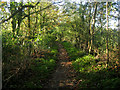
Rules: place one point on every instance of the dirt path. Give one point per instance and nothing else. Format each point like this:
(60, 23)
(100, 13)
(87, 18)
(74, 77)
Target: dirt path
(64, 76)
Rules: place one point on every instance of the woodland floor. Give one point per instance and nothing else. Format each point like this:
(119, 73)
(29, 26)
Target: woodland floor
(64, 75)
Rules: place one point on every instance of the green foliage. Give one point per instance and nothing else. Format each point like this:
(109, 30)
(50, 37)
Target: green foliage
(72, 51)
(95, 75)
(14, 55)
(82, 64)
(40, 70)
(10, 46)
(22, 37)
(43, 67)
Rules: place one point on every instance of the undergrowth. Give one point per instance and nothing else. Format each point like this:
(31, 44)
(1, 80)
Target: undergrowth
(96, 75)
(19, 70)
(73, 52)
(92, 72)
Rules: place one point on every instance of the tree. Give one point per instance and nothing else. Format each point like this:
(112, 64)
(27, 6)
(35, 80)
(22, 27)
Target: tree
(92, 26)
(119, 31)
(19, 16)
(93, 31)
(107, 49)
(13, 9)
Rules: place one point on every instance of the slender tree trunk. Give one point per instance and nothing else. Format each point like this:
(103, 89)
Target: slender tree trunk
(36, 21)
(92, 29)
(19, 17)
(29, 21)
(107, 49)
(94, 25)
(76, 41)
(12, 10)
(29, 30)
(40, 23)
(89, 30)
(79, 46)
(119, 32)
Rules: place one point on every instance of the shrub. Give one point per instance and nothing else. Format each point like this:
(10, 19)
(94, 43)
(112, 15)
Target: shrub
(82, 64)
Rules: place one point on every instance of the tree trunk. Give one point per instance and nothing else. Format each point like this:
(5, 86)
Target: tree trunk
(19, 17)
(29, 21)
(94, 25)
(12, 10)
(92, 29)
(89, 29)
(36, 21)
(119, 32)
(107, 49)
(29, 30)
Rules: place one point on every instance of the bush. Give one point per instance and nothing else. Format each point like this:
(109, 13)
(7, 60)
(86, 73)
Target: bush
(82, 64)
(94, 74)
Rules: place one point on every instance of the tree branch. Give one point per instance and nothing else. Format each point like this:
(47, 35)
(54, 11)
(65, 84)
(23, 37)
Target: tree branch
(17, 12)
(41, 9)
(30, 13)
(38, 11)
